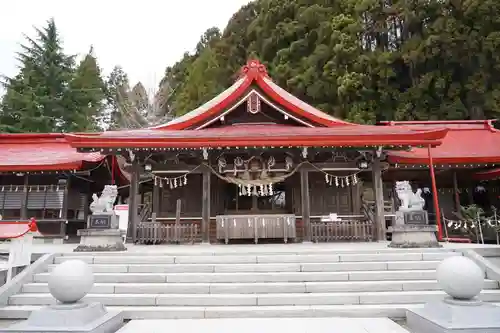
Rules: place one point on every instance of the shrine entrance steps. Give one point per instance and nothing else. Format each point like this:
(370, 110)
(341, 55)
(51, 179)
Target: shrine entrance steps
(232, 285)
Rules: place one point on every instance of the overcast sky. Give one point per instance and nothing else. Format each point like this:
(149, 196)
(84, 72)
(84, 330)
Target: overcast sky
(144, 36)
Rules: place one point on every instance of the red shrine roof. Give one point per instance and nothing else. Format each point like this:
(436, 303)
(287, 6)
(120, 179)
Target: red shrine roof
(41, 152)
(467, 141)
(253, 75)
(315, 128)
(260, 135)
(492, 174)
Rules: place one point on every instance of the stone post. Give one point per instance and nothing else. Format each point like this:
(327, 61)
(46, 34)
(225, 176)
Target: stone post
(69, 283)
(461, 311)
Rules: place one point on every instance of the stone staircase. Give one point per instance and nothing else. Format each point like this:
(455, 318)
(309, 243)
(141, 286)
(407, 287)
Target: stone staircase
(286, 284)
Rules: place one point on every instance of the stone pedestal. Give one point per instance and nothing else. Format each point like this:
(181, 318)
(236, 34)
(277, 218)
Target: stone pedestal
(461, 311)
(69, 283)
(102, 234)
(449, 316)
(95, 240)
(71, 318)
(411, 230)
(414, 236)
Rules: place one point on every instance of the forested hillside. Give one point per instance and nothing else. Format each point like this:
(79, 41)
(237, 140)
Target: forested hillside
(362, 60)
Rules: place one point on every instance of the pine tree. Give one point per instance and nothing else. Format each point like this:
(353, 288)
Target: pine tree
(117, 86)
(38, 99)
(88, 96)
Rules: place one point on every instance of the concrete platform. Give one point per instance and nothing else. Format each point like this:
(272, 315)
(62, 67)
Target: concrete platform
(266, 325)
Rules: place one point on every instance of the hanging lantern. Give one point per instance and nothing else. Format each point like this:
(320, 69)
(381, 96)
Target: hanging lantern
(347, 180)
(326, 178)
(337, 181)
(249, 190)
(185, 179)
(354, 179)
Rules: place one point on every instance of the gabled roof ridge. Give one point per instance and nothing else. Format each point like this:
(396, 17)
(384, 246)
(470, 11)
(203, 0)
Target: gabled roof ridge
(253, 72)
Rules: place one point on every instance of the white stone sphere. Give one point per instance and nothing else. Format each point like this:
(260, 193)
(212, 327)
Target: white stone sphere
(70, 281)
(460, 277)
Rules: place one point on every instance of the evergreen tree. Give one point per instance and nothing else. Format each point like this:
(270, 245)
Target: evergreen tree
(362, 60)
(38, 99)
(88, 93)
(117, 87)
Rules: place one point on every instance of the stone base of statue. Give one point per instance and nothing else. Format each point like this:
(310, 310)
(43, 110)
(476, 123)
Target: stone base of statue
(411, 230)
(414, 236)
(449, 316)
(102, 234)
(461, 311)
(95, 240)
(71, 318)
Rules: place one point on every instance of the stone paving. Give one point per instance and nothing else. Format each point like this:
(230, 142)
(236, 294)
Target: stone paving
(266, 325)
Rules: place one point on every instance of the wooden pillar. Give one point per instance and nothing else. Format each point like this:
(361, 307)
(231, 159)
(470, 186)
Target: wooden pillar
(456, 192)
(64, 211)
(156, 200)
(305, 204)
(435, 195)
(132, 201)
(24, 200)
(205, 208)
(378, 190)
(86, 203)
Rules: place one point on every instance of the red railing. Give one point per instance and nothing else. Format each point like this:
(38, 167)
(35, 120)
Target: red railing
(12, 230)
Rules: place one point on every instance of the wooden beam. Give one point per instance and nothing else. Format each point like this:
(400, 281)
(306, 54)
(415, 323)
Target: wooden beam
(305, 204)
(132, 201)
(378, 190)
(184, 168)
(205, 209)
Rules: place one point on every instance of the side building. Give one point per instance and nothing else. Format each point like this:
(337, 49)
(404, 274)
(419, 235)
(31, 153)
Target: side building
(42, 176)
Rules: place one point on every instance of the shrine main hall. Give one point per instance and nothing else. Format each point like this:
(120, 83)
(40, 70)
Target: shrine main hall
(253, 164)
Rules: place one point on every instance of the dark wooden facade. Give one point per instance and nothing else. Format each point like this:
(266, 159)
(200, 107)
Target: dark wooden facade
(58, 200)
(205, 196)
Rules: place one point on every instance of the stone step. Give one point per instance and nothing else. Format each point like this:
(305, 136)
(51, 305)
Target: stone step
(259, 259)
(283, 267)
(252, 250)
(394, 311)
(391, 297)
(256, 288)
(256, 277)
